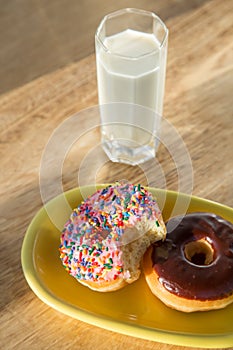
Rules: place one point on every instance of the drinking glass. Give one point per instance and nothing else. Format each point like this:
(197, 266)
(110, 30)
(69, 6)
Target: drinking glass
(131, 51)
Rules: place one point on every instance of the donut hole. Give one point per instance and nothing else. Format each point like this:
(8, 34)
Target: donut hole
(199, 252)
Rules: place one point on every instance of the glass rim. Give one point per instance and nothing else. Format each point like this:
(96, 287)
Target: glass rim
(136, 11)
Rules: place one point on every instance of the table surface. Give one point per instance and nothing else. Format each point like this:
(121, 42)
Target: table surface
(198, 105)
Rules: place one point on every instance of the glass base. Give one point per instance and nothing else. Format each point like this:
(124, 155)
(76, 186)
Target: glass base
(118, 151)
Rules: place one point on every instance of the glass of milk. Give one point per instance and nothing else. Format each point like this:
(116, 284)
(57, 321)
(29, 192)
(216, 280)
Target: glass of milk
(131, 51)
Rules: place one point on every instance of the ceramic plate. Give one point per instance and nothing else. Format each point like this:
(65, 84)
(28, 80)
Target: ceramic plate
(132, 310)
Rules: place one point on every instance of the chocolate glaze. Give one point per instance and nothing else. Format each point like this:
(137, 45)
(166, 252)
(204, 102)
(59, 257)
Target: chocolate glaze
(193, 279)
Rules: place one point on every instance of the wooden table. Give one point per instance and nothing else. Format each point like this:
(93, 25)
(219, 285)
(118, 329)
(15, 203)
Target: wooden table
(198, 103)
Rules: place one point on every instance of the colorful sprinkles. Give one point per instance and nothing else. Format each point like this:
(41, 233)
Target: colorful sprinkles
(90, 241)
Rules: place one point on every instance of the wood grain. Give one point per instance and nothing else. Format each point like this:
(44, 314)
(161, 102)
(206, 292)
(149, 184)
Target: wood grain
(198, 103)
(39, 37)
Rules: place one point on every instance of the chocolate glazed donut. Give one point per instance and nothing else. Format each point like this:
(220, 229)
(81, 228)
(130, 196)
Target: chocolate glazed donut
(193, 268)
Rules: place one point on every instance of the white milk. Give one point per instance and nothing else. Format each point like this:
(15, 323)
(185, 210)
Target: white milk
(124, 80)
(131, 69)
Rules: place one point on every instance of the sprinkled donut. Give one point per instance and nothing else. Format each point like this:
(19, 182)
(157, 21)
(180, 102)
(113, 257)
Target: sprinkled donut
(192, 270)
(104, 240)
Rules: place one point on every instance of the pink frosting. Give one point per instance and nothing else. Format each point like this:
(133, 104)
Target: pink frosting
(91, 240)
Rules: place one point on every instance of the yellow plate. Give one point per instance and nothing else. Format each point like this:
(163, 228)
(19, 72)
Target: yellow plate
(132, 310)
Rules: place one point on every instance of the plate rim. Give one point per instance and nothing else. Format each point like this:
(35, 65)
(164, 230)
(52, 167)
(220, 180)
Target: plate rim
(164, 336)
